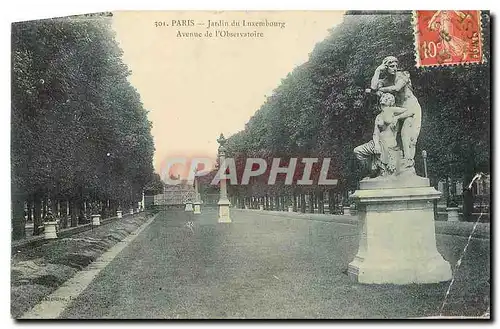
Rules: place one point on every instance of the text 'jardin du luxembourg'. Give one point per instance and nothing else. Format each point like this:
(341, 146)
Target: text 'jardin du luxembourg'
(221, 28)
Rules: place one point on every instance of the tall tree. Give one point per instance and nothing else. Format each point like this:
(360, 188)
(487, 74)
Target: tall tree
(79, 129)
(320, 108)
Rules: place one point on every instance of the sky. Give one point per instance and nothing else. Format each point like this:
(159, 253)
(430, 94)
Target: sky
(196, 88)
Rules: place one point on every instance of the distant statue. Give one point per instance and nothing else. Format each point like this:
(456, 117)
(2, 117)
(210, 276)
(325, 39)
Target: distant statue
(398, 83)
(382, 155)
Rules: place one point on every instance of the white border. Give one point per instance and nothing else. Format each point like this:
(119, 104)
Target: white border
(27, 10)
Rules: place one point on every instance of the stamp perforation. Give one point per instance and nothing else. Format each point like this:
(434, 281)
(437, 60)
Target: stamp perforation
(418, 60)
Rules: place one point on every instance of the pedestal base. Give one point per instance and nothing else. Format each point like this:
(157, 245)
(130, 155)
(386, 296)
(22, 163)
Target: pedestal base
(189, 207)
(398, 241)
(96, 220)
(50, 230)
(197, 208)
(224, 215)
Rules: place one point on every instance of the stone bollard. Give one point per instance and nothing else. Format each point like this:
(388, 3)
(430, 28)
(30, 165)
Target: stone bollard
(452, 214)
(197, 207)
(119, 214)
(189, 206)
(131, 211)
(96, 220)
(261, 207)
(290, 208)
(50, 230)
(352, 210)
(346, 210)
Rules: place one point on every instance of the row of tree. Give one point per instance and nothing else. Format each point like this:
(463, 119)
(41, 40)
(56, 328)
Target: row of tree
(80, 135)
(320, 109)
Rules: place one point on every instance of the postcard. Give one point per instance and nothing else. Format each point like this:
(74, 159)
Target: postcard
(251, 165)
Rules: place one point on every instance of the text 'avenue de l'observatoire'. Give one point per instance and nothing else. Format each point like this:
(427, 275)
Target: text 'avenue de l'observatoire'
(221, 28)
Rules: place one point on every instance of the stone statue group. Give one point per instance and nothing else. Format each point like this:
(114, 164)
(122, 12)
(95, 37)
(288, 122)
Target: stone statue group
(400, 113)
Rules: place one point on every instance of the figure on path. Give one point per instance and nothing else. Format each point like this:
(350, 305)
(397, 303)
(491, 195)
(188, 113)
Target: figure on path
(398, 83)
(382, 155)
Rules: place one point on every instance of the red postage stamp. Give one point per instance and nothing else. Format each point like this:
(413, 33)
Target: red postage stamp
(447, 37)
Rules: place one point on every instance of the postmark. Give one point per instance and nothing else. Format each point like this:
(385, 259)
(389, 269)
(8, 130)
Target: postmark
(448, 37)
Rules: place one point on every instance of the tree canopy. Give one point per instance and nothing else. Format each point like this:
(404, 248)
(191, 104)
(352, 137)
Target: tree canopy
(79, 128)
(320, 109)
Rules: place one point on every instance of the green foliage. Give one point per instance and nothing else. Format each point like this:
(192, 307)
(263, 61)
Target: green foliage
(320, 108)
(79, 129)
(155, 185)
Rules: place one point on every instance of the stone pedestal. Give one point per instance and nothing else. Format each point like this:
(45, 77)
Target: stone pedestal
(346, 210)
(96, 220)
(397, 237)
(224, 215)
(188, 207)
(452, 214)
(50, 230)
(197, 207)
(119, 214)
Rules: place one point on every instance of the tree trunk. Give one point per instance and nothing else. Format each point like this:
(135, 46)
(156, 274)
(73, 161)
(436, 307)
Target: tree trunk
(331, 202)
(37, 214)
(29, 206)
(302, 203)
(17, 219)
(446, 192)
(80, 214)
(468, 206)
(73, 212)
(64, 214)
(44, 207)
(311, 202)
(321, 202)
(434, 183)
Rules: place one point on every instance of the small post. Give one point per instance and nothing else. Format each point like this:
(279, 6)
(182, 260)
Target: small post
(224, 204)
(197, 202)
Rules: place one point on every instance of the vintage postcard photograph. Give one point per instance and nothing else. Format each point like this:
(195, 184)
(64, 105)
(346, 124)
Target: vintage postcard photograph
(251, 165)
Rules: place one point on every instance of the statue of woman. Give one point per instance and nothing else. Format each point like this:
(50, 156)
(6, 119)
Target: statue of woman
(398, 83)
(382, 153)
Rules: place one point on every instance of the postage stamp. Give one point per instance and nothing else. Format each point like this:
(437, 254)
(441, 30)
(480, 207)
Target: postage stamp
(447, 37)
